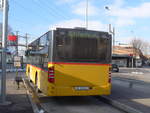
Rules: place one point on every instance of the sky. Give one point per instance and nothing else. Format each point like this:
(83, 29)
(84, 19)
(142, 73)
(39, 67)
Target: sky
(130, 18)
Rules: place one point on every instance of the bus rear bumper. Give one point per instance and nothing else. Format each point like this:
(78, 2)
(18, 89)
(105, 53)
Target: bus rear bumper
(73, 91)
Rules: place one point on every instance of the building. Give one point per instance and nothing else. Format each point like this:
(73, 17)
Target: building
(125, 56)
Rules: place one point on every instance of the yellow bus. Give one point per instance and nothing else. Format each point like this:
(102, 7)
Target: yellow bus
(70, 62)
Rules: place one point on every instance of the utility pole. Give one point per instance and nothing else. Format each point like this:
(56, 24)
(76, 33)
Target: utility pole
(17, 32)
(4, 46)
(113, 38)
(26, 36)
(86, 18)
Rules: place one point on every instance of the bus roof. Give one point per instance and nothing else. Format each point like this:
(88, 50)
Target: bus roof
(80, 29)
(71, 29)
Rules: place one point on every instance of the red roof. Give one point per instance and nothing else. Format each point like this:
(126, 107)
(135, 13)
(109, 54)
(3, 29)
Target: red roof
(123, 50)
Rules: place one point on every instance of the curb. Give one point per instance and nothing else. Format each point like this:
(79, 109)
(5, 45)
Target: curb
(118, 105)
(34, 105)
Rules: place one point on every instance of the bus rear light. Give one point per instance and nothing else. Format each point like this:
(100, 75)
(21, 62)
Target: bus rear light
(51, 77)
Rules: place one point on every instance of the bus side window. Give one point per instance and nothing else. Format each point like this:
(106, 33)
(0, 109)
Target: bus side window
(45, 62)
(43, 41)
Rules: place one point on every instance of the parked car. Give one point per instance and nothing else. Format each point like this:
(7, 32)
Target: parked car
(115, 68)
(138, 63)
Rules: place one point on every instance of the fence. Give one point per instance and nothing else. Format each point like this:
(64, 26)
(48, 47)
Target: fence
(10, 67)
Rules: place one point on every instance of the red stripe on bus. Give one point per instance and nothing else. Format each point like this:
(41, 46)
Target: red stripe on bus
(38, 68)
(78, 63)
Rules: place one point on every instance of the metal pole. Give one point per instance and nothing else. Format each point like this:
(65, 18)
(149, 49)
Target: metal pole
(109, 28)
(17, 42)
(132, 61)
(87, 5)
(110, 31)
(26, 41)
(133, 57)
(113, 34)
(113, 39)
(4, 46)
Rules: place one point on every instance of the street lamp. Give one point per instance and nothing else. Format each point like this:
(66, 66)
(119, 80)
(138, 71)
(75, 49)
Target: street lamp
(111, 31)
(107, 8)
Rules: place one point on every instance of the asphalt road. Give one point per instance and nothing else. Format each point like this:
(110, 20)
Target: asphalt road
(138, 96)
(142, 74)
(76, 105)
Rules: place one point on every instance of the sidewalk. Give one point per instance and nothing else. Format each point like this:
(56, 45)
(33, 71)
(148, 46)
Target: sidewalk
(19, 98)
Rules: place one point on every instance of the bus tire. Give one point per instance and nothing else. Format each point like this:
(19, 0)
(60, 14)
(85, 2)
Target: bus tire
(29, 76)
(36, 83)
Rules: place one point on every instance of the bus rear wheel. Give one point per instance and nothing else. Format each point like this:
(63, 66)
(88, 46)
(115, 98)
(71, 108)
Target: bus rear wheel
(36, 83)
(29, 76)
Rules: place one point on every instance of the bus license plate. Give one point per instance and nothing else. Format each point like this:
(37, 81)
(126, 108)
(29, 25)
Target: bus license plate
(82, 88)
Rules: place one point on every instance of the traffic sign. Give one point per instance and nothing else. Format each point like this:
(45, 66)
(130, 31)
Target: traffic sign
(17, 61)
(17, 58)
(17, 64)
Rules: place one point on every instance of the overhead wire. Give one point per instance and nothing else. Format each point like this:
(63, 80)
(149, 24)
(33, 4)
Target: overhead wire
(30, 10)
(54, 8)
(68, 5)
(51, 10)
(47, 12)
(12, 17)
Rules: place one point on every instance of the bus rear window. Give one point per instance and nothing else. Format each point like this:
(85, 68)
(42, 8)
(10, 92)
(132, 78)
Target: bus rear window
(83, 46)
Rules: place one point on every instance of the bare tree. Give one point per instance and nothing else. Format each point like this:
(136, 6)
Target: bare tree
(9, 31)
(140, 47)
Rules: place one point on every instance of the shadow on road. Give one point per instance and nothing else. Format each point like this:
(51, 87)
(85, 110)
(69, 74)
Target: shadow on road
(137, 97)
